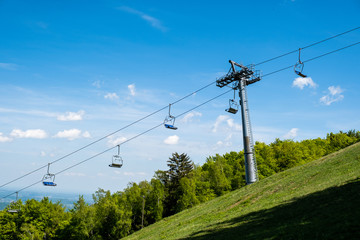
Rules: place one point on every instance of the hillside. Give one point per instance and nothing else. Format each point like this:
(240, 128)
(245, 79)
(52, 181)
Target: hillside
(318, 200)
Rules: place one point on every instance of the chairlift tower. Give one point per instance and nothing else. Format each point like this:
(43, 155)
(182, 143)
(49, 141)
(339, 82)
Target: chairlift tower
(239, 79)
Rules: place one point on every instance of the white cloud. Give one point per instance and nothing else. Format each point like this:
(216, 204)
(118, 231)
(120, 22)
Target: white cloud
(188, 117)
(335, 90)
(42, 153)
(219, 143)
(111, 96)
(69, 134)
(334, 95)
(218, 121)
(303, 82)
(31, 133)
(4, 138)
(151, 20)
(116, 141)
(97, 84)
(231, 123)
(131, 88)
(72, 116)
(8, 66)
(172, 140)
(291, 134)
(86, 134)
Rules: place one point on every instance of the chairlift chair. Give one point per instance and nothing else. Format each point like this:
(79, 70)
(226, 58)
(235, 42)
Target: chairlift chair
(14, 210)
(117, 160)
(233, 107)
(170, 121)
(49, 179)
(299, 66)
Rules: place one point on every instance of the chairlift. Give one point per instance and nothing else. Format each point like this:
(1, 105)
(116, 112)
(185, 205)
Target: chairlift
(117, 161)
(233, 106)
(12, 209)
(299, 66)
(49, 179)
(170, 121)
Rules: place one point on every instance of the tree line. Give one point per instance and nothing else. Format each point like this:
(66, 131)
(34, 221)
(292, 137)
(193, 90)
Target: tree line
(182, 186)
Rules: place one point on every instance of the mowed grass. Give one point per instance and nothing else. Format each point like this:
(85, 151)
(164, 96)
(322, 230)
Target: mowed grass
(318, 200)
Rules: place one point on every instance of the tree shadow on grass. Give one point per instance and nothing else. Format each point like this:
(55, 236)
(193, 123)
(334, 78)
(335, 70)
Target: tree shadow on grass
(333, 213)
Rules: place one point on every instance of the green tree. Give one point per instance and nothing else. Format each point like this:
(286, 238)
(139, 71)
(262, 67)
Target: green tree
(188, 197)
(82, 222)
(154, 201)
(204, 192)
(216, 167)
(113, 218)
(180, 166)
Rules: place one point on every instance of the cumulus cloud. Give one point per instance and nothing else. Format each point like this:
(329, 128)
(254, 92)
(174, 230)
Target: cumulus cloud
(4, 138)
(151, 20)
(71, 116)
(116, 141)
(304, 82)
(111, 96)
(31, 133)
(131, 88)
(97, 84)
(188, 117)
(291, 134)
(218, 121)
(71, 134)
(219, 143)
(226, 143)
(86, 134)
(172, 140)
(334, 95)
(229, 122)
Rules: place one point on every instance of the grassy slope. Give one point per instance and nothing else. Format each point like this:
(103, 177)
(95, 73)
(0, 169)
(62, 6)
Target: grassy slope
(318, 200)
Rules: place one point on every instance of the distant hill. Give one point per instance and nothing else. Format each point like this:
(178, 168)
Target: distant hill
(318, 200)
(66, 199)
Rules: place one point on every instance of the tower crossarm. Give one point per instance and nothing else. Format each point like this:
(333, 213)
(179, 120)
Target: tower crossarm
(245, 73)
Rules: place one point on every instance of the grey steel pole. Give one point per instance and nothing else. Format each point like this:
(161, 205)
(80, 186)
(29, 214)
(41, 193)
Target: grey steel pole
(249, 155)
(240, 79)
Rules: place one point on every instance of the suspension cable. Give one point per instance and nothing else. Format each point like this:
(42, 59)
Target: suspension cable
(128, 140)
(200, 89)
(310, 45)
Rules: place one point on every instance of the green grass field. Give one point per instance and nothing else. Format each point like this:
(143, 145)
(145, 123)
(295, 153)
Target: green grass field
(318, 200)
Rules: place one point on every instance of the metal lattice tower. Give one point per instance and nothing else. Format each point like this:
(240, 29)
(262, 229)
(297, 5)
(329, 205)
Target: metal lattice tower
(240, 79)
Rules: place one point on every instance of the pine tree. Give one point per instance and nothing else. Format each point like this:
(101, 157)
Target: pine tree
(180, 166)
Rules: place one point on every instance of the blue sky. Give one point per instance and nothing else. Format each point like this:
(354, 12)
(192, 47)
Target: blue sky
(72, 72)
